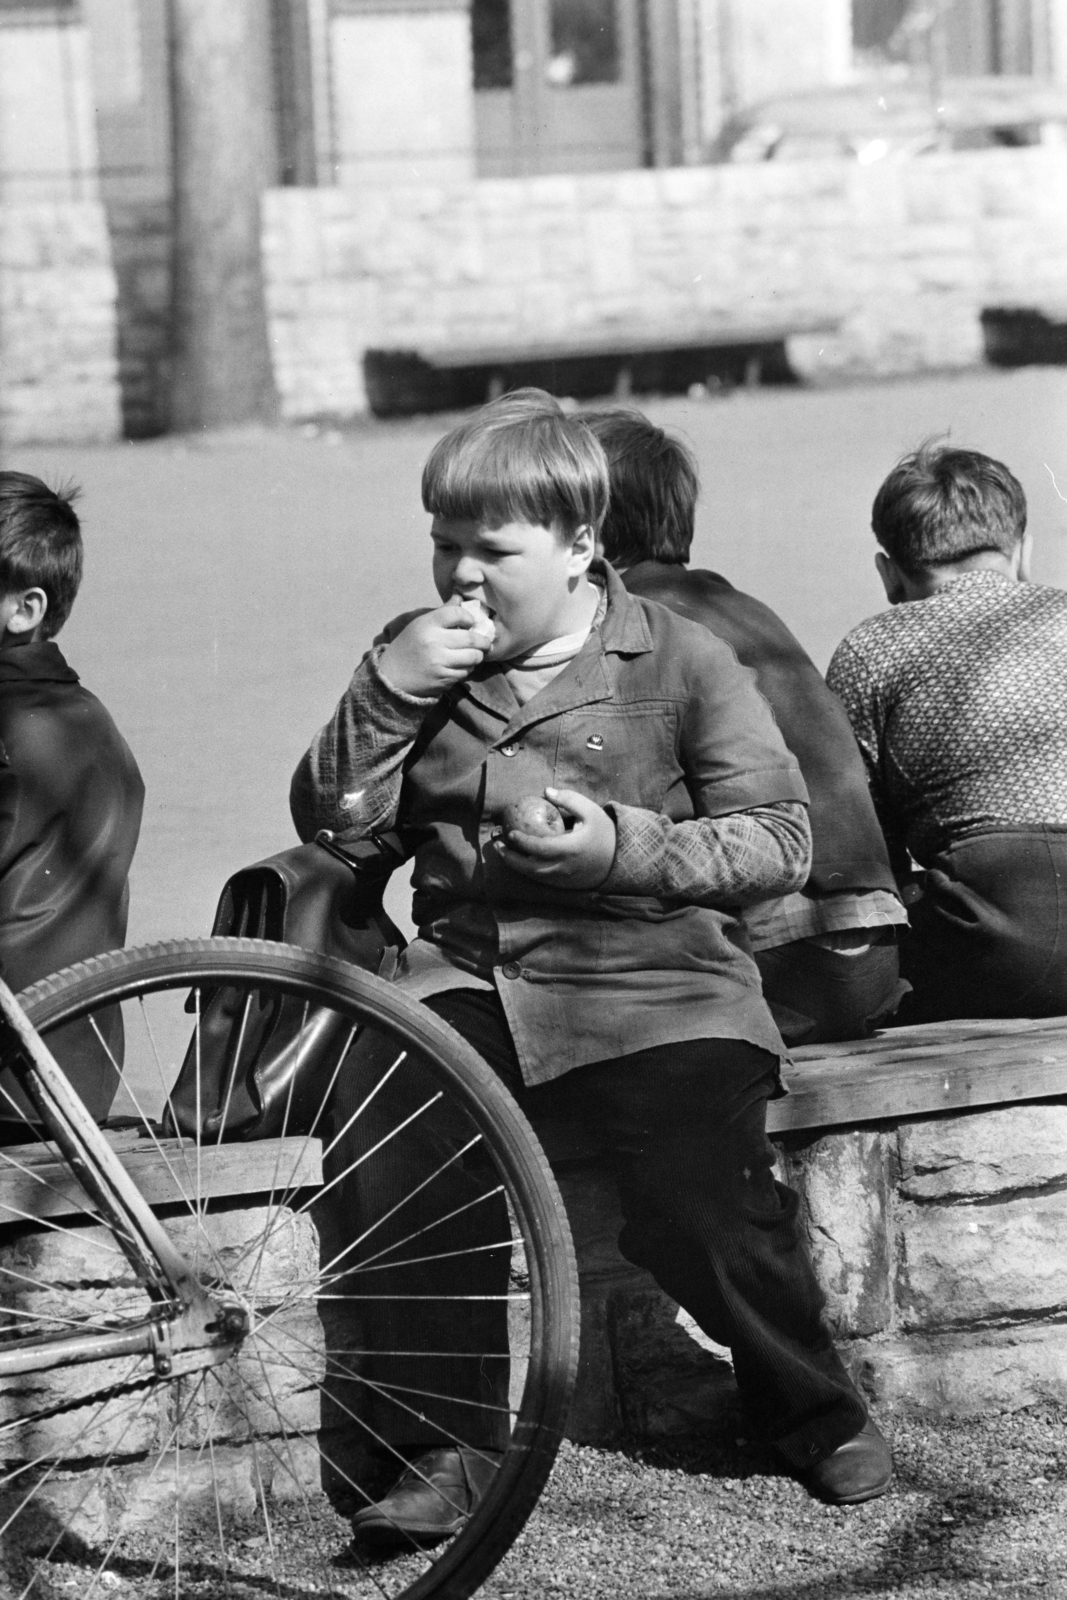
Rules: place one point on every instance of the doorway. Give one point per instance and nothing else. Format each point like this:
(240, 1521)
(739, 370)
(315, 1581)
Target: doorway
(559, 86)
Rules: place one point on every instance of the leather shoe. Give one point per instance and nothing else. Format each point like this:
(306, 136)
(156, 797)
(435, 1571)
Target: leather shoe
(431, 1501)
(858, 1470)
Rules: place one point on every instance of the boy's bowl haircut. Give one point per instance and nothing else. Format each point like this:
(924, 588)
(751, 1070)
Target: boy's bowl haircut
(519, 459)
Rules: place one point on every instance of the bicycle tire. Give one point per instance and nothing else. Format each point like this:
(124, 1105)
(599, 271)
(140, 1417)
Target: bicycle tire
(471, 1092)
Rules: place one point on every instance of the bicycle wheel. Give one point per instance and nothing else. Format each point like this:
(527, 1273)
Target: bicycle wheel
(436, 1308)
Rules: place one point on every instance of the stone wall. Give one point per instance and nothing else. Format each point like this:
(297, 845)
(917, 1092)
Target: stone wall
(903, 257)
(112, 1479)
(938, 1242)
(58, 367)
(941, 1247)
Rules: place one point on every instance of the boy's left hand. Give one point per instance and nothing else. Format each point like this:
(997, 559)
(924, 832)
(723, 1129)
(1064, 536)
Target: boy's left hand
(581, 858)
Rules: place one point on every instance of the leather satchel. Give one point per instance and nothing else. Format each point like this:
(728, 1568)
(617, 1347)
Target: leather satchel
(262, 1063)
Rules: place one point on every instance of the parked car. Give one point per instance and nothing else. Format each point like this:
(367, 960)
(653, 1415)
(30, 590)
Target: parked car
(896, 119)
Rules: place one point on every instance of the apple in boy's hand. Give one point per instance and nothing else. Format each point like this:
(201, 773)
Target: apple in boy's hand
(533, 814)
(484, 630)
(570, 845)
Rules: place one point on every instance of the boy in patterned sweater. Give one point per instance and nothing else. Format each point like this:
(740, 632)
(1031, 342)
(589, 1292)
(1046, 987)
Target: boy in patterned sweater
(958, 698)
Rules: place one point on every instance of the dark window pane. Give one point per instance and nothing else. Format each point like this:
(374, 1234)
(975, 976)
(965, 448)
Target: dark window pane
(875, 23)
(585, 43)
(491, 32)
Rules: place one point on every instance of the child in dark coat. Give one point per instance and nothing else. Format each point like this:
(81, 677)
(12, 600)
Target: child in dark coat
(70, 792)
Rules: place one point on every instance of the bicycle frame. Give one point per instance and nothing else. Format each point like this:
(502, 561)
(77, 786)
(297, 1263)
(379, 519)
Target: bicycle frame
(187, 1331)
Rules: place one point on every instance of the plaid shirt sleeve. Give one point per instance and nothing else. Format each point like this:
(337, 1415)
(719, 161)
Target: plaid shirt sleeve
(734, 859)
(349, 780)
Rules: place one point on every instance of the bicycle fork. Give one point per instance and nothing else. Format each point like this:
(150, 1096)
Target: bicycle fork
(187, 1331)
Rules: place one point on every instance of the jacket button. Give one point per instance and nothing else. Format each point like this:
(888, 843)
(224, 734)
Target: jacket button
(510, 749)
(511, 969)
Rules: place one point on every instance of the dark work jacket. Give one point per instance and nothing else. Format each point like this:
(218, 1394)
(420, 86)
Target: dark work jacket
(849, 850)
(70, 812)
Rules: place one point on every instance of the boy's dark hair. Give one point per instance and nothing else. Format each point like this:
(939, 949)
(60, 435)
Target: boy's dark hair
(940, 504)
(520, 458)
(654, 488)
(40, 544)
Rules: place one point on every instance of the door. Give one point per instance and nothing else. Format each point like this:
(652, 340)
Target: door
(558, 86)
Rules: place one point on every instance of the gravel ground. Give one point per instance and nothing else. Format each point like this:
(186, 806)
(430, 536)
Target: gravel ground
(977, 1508)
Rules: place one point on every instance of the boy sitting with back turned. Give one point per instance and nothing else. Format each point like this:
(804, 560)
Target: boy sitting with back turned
(827, 952)
(70, 791)
(958, 698)
(601, 968)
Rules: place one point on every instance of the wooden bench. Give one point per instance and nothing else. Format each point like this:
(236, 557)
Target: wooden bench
(586, 363)
(910, 1072)
(35, 1183)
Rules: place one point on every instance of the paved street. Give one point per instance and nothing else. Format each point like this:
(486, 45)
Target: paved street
(233, 581)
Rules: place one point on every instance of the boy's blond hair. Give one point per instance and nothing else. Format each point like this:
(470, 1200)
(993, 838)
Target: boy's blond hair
(519, 459)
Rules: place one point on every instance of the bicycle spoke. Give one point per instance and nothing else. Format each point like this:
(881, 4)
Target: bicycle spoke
(377, 1388)
(157, 1144)
(358, 1488)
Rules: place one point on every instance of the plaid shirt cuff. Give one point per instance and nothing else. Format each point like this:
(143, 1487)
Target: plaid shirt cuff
(730, 860)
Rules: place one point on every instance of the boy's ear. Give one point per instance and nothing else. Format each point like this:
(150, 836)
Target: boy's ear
(583, 549)
(24, 612)
(892, 578)
(1024, 552)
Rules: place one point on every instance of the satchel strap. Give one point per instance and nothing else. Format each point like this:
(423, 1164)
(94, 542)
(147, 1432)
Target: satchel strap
(373, 855)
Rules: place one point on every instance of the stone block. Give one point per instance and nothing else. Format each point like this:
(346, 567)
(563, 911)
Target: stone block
(967, 1263)
(964, 1373)
(842, 1179)
(591, 1200)
(594, 1416)
(994, 1152)
(668, 1383)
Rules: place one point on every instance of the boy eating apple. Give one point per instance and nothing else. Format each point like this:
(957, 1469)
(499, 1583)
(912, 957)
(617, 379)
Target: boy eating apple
(599, 969)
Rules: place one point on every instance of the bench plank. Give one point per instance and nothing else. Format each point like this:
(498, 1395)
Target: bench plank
(621, 342)
(35, 1183)
(906, 1072)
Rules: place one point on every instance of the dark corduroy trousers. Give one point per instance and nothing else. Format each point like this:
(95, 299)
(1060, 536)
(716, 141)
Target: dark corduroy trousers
(684, 1126)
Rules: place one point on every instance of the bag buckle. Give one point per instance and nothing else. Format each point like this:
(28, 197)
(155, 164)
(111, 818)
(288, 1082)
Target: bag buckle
(374, 855)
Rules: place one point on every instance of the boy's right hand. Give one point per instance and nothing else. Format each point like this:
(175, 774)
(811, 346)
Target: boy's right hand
(432, 652)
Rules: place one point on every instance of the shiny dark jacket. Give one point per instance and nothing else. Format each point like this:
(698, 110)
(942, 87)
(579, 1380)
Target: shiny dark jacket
(70, 812)
(849, 850)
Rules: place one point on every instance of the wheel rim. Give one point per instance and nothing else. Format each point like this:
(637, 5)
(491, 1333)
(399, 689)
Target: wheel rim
(209, 1430)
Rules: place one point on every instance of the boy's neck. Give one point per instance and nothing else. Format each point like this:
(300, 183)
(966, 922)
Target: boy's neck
(577, 615)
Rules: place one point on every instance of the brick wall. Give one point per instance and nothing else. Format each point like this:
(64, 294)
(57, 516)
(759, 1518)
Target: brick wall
(58, 368)
(905, 255)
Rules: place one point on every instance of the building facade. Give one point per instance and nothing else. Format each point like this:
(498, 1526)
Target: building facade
(373, 97)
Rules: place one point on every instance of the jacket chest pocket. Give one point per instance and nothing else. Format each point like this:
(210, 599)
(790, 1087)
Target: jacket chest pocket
(627, 755)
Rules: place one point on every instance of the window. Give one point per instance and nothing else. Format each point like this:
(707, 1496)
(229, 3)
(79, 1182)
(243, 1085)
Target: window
(491, 37)
(585, 43)
(876, 28)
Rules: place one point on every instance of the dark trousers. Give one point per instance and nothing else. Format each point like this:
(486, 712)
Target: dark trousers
(989, 936)
(818, 995)
(685, 1128)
